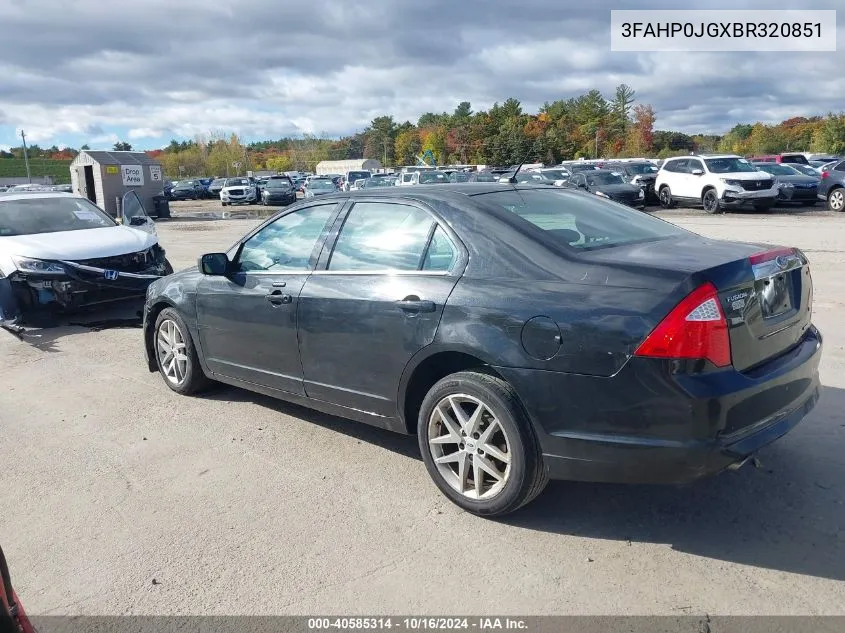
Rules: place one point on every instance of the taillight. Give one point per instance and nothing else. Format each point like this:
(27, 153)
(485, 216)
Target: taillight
(825, 175)
(695, 328)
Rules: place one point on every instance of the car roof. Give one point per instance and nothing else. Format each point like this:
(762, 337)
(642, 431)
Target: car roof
(442, 191)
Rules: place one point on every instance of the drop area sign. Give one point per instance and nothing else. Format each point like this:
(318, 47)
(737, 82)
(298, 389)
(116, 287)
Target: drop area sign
(133, 175)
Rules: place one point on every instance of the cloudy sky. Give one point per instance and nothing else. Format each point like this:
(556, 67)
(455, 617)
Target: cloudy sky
(95, 71)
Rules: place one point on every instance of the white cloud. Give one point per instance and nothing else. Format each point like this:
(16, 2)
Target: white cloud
(94, 74)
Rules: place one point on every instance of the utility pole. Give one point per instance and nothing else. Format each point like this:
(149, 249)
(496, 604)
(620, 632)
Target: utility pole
(25, 157)
(597, 142)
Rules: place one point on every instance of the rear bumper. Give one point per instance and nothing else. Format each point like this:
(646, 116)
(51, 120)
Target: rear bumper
(648, 425)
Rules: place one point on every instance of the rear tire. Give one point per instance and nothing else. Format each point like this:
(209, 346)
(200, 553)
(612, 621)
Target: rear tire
(665, 196)
(488, 460)
(710, 202)
(176, 356)
(836, 199)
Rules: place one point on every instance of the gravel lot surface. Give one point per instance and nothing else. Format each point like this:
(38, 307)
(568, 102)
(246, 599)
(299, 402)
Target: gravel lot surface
(121, 497)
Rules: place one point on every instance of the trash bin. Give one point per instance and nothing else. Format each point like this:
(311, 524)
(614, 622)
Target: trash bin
(161, 207)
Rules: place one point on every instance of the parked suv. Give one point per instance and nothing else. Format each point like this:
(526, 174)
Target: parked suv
(715, 182)
(832, 186)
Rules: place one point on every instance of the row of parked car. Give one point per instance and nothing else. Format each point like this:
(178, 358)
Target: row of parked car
(716, 182)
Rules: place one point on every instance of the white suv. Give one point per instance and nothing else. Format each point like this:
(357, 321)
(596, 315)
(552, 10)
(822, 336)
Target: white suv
(714, 182)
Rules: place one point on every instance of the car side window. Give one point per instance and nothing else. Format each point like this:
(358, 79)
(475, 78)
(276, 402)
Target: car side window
(670, 166)
(840, 166)
(286, 244)
(441, 253)
(382, 236)
(694, 164)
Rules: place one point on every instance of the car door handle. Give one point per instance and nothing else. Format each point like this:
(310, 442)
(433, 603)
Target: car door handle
(415, 304)
(277, 298)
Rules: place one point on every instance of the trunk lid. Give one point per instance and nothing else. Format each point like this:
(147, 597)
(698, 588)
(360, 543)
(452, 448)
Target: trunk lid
(768, 304)
(765, 291)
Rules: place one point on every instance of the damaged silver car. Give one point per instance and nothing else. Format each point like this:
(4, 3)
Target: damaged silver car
(59, 252)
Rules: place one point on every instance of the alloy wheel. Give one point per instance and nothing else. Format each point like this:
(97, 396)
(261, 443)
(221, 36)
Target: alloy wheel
(470, 447)
(836, 200)
(172, 354)
(710, 202)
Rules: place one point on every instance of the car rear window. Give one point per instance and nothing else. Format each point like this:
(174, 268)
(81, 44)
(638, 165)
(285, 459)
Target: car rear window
(794, 158)
(580, 220)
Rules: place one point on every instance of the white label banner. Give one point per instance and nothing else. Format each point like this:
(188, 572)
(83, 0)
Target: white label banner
(718, 30)
(133, 175)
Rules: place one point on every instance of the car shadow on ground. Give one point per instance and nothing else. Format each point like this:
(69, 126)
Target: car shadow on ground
(404, 445)
(788, 515)
(44, 331)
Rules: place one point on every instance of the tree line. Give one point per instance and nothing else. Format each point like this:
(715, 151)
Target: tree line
(590, 125)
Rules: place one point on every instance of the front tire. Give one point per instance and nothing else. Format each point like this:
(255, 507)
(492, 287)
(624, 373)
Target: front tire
(478, 445)
(176, 355)
(836, 199)
(710, 202)
(665, 196)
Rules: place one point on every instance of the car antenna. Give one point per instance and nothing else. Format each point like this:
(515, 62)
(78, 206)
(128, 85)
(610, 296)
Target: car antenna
(512, 179)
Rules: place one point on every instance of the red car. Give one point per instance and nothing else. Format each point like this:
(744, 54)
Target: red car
(786, 157)
(12, 616)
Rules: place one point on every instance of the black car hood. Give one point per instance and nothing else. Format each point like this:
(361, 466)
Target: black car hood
(617, 190)
(798, 179)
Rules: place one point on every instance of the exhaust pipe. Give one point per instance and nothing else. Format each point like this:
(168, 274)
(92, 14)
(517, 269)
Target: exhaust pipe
(751, 458)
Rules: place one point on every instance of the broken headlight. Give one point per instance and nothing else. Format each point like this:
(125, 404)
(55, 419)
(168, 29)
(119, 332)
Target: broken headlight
(30, 265)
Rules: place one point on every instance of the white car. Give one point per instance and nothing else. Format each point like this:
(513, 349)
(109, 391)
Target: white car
(716, 182)
(238, 191)
(58, 250)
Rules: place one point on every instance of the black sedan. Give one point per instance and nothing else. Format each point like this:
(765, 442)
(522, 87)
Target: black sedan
(188, 190)
(214, 188)
(609, 184)
(278, 191)
(793, 185)
(522, 332)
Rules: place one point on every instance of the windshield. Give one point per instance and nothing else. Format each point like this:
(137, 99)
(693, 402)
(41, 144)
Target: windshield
(277, 183)
(237, 182)
(50, 215)
(605, 178)
(428, 177)
(185, 184)
(459, 177)
(219, 182)
(555, 174)
(641, 168)
(321, 184)
(777, 170)
(728, 165)
(358, 175)
(578, 221)
(485, 177)
(794, 158)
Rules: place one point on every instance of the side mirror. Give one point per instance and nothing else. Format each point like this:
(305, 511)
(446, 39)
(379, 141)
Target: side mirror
(137, 220)
(214, 264)
(697, 172)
